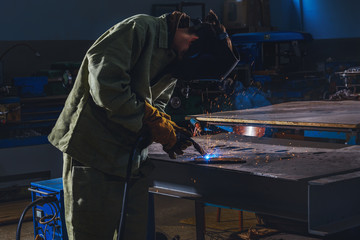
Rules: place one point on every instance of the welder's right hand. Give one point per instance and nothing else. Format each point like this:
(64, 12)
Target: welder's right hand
(181, 144)
(159, 127)
(182, 136)
(166, 132)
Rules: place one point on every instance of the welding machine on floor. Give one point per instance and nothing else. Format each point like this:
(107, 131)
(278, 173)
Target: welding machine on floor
(49, 215)
(48, 212)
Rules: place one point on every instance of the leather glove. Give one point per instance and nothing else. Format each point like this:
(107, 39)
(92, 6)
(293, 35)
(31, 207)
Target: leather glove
(181, 144)
(160, 129)
(177, 128)
(182, 136)
(166, 132)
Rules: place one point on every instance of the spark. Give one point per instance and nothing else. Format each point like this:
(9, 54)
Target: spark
(210, 155)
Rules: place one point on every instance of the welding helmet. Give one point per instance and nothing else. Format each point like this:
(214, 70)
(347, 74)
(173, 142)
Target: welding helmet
(210, 56)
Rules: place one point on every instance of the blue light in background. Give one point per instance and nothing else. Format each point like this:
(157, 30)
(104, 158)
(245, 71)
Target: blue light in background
(326, 19)
(298, 4)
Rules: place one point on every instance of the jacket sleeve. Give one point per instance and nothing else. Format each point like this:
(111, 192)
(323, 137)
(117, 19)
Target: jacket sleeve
(161, 102)
(110, 64)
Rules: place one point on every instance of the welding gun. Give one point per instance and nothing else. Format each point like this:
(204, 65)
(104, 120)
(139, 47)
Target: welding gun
(182, 137)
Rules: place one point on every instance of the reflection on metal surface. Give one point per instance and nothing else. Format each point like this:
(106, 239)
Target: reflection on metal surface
(217, 160)
(250, 131)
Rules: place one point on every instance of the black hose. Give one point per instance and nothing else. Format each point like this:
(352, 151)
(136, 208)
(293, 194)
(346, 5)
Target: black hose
(35, 202)
(121, 230)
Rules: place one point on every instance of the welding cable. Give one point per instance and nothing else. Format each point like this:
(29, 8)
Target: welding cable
(53, 238)
(45, 231)
(48, 216)
(53, 208)
(41, 220)
(46, 223)
(137, 145)
(40, 234)
(39, 237)
(57, 209)
(56, 206)
(40, 200)
(54, 220)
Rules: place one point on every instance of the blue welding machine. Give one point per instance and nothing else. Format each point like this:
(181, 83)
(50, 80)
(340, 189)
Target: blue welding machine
(49, 217)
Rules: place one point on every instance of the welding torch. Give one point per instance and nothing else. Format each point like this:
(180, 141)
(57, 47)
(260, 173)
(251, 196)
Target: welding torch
(212, 160)
(198, 148)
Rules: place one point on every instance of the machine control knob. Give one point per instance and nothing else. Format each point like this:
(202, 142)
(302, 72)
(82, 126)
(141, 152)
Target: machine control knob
(175, 102)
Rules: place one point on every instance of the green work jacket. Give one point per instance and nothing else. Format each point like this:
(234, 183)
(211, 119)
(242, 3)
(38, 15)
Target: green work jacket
(103, 113)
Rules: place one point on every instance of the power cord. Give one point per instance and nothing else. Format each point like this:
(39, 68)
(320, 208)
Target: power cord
(40, 200)
(121, 228)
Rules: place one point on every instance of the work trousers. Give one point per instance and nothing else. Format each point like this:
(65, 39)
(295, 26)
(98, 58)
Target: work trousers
(93, 203)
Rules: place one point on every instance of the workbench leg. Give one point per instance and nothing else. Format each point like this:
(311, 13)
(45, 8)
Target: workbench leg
(241, 220)
(151, 218)
(200, 220)
(218, 214)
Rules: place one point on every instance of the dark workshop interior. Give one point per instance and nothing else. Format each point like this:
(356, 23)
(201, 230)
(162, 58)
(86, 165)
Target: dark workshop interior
(279, 135)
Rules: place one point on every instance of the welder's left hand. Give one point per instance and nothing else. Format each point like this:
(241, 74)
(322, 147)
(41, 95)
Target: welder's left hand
(182, 142)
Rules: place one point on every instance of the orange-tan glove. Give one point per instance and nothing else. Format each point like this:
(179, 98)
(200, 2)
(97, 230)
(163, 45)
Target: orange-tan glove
(177, 128)
(182, 135)
(160, 129)
(181, 144)
(163, 131)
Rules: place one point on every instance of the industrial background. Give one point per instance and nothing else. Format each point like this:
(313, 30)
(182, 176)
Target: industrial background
(290, 51)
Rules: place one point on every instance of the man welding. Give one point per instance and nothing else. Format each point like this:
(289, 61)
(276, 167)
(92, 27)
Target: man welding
(123, 85)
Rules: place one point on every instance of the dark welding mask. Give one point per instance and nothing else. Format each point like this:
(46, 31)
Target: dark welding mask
(208, 57)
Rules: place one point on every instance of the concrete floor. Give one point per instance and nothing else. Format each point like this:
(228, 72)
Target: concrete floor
(168, 213)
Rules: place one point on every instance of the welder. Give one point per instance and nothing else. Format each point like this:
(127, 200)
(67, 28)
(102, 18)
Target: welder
(122, 88)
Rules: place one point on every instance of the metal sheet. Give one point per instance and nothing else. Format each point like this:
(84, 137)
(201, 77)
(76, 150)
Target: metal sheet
(329, 114)
(273, 160)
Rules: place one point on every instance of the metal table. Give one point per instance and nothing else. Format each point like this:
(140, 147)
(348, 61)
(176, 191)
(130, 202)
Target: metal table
(311, 183)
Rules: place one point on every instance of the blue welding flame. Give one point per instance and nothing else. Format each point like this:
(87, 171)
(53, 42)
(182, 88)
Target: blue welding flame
(208, 156)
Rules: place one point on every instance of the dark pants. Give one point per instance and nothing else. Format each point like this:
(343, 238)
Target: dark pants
(93, 203)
